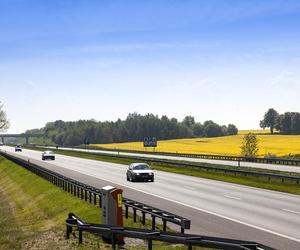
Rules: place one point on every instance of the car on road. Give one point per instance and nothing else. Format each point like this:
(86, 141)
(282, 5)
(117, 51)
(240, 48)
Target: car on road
(18, 148)
(48, 155)
(139, 171)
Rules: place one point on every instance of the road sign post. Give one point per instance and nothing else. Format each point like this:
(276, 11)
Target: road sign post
(150, 142)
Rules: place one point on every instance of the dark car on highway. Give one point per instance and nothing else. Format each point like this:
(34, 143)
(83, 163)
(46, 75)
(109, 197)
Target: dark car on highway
(139, 171)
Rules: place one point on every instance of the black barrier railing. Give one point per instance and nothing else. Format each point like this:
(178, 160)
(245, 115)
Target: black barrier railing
(189, 240)
(155, 213)
(94, 196)
(273, 160)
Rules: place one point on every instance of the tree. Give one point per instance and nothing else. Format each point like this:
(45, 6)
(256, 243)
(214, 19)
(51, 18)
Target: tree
(189, 121)
(295, 126)
(213, 130)
(4, 123)
(250, 145)
(232, 129)
(269, 120)
(198, 129)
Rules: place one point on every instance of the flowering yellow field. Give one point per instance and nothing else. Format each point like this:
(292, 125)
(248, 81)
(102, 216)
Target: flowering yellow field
(278, 145)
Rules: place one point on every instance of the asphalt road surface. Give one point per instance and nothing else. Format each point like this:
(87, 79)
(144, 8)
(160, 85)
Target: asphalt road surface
(286, 168)
(215, 208)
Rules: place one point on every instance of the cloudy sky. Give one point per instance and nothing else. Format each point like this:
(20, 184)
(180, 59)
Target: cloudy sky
(228, 61)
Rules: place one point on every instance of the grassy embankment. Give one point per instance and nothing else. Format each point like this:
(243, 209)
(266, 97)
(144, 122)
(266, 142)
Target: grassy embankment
(277, 145)
(32, 213)
(277, 185)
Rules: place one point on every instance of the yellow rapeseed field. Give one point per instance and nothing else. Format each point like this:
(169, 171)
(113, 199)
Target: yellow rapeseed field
(278, 145)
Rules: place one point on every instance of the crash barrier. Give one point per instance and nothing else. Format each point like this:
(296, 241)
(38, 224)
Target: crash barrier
(94, 195)
(238, 159)
(267, 160)
(190, 240)
(269, 176)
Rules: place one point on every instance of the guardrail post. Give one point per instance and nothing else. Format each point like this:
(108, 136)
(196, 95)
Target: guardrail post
(190, 246)
(95, 199)
(80, 236)
(143, 218)
(90, 196)
(164, 225)
(134, 214)
(149, 244)
(182, 230)
(100, 201)
(85, 195)
(113, 242)
(153, 222)
(68, 232)
(81, 195)
(126, 211)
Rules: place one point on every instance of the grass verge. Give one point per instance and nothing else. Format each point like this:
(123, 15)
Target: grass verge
(32, 214)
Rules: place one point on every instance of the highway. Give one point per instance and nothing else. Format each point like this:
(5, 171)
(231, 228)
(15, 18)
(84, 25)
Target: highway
(215, 208)
(286, 168)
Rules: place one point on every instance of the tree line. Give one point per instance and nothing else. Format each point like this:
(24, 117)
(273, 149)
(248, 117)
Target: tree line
(287, 123)
(134, 128)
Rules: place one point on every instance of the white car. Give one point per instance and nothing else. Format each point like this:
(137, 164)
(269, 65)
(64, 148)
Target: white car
(48, 155)
(139, 171)
(18, 148)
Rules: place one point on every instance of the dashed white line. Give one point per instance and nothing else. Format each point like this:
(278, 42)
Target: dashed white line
(200, 209)
(231, 197)
(190, 188)
(290, 211)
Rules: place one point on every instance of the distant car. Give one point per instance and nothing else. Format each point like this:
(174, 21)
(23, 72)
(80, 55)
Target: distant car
(48, 155)
(139, 171)
(18, 148)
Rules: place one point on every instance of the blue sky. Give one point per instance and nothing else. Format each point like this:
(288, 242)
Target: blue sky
(228, 61)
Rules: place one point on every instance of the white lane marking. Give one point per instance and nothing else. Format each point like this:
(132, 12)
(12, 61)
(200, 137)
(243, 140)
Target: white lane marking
(199, 209)
(290, 211)
(231, 197)
(203, 210)
(190, 188)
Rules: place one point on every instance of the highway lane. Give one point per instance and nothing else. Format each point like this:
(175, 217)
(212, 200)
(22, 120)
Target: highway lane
(286, 168)
(216, 208)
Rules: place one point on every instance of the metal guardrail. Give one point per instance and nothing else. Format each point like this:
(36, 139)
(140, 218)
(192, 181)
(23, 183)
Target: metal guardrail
(189, 240)
(279, 161)
(270, 176)
(93, 195)
(155, 213)
(266, 160)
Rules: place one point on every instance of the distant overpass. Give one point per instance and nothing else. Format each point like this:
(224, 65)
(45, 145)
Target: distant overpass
(24, 135)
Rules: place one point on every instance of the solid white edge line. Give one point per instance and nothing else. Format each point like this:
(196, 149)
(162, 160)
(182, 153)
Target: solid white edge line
(206, 211)
(234, 184)
(209, 212)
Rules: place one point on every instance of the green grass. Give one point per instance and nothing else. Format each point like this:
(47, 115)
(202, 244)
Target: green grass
(261, 182)
(33, 212)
